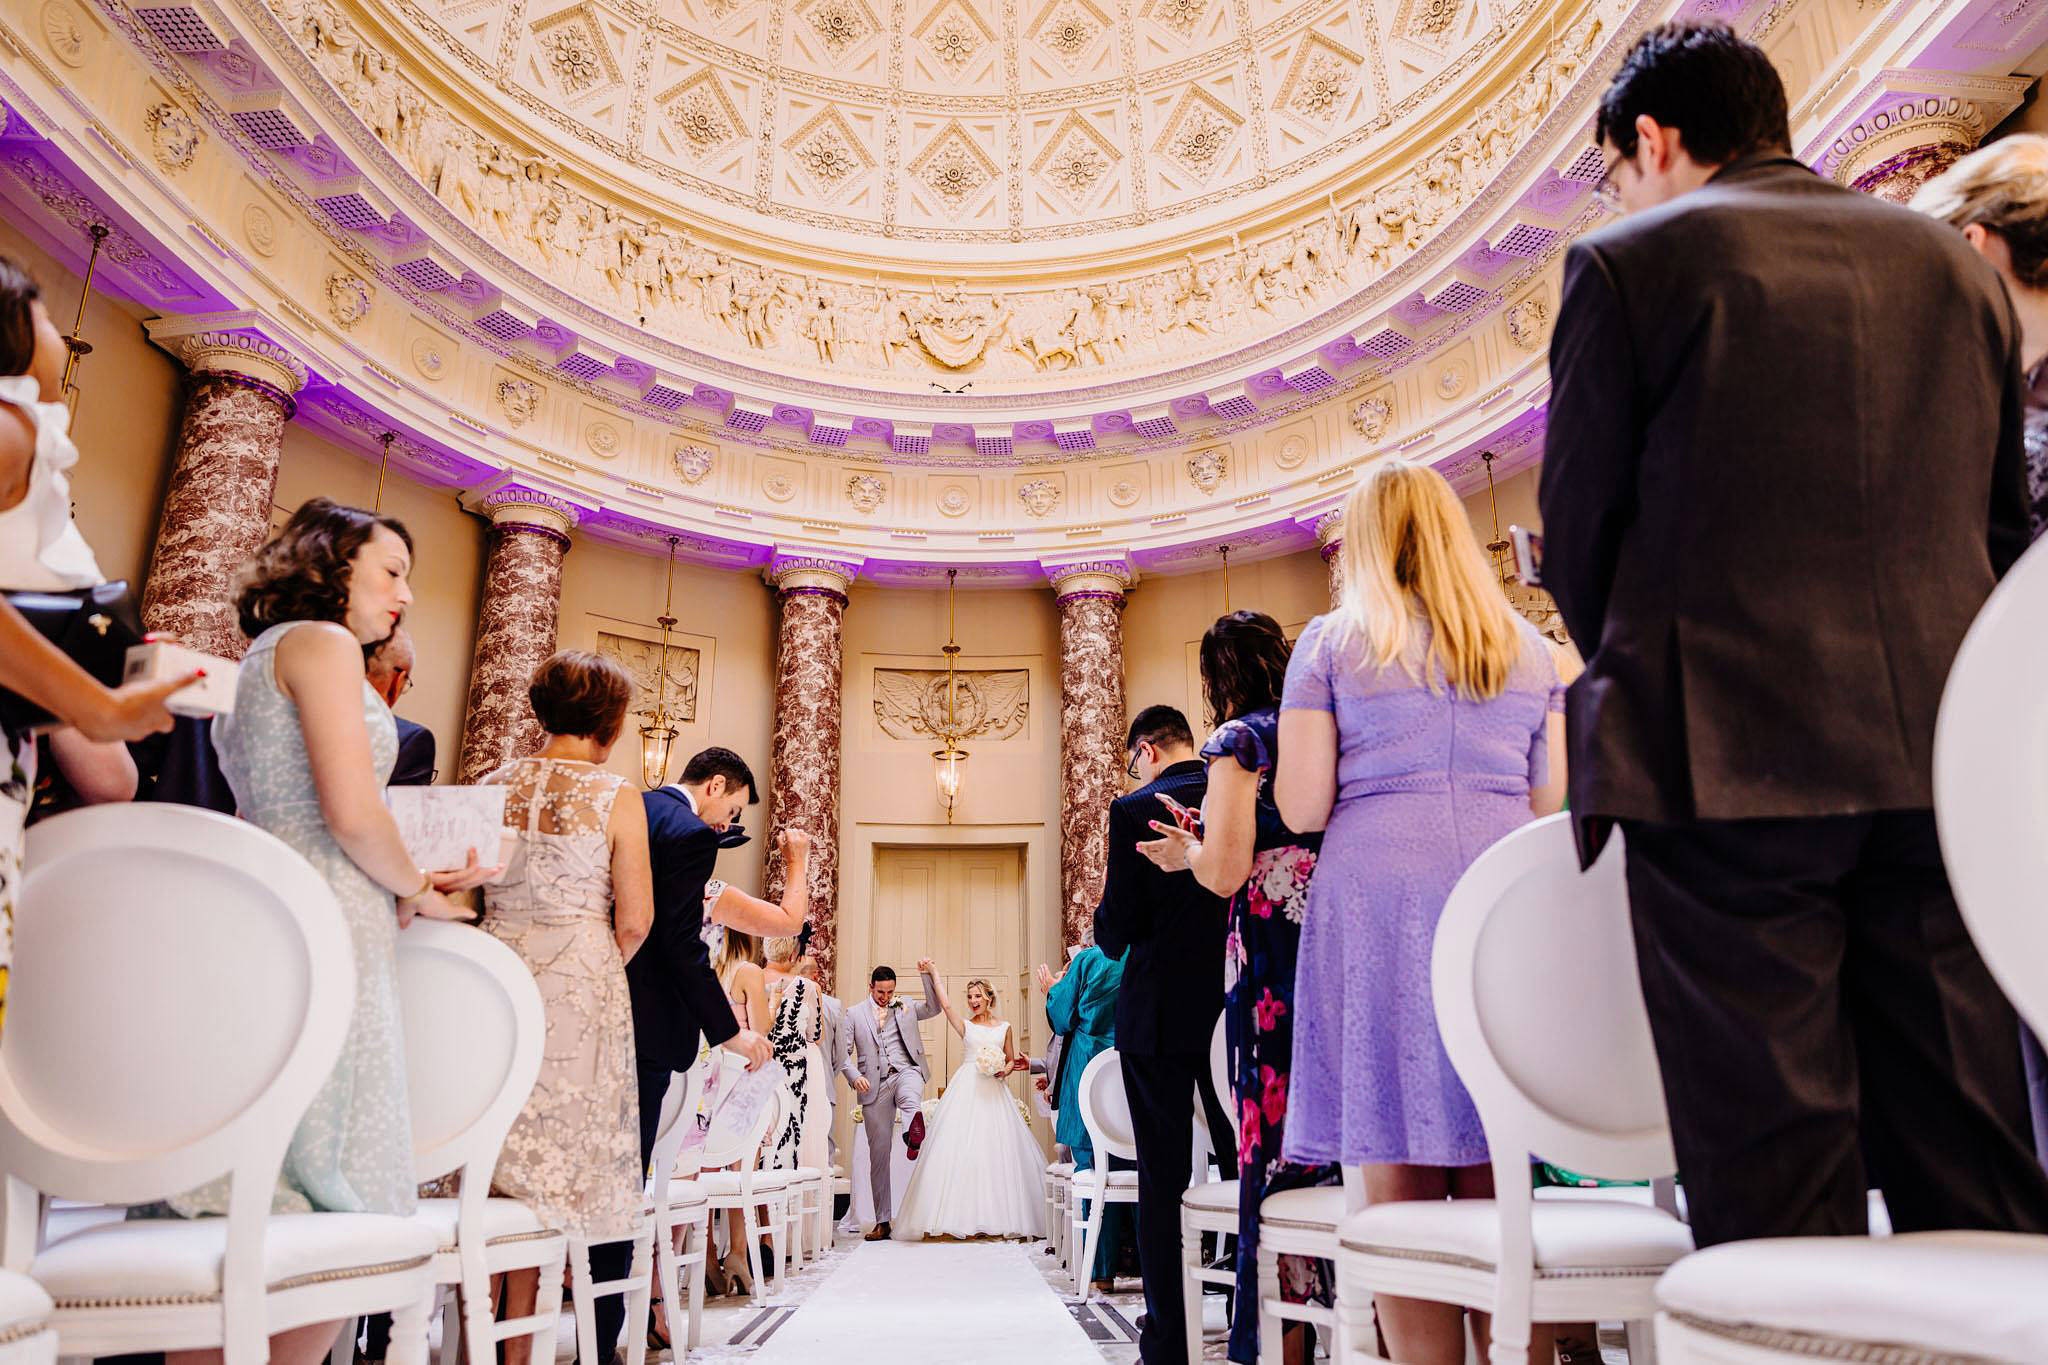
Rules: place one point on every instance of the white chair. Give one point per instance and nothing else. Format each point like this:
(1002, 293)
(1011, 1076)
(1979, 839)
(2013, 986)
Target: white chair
(199, 972)
(1208, 1206)
(751, 1187)
(474, 1027)
(637, 1287)
(1537, 998)
(1923, 1295)
(1106, 1112)
(680, 1206)
(1059, 1181)
(26, 1336)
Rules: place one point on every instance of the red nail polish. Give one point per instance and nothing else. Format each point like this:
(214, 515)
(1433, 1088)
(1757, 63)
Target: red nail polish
(202, 672)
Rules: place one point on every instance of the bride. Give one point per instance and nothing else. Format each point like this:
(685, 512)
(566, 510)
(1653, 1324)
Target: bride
(981, 1173)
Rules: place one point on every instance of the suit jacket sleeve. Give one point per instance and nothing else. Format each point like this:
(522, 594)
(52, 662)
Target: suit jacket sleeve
(681, 867)
(1063, 1001)
(1587, 491)
(415, 765)
(842, 1046)
(2011, 528)
(1122, 917)
(929, 1006)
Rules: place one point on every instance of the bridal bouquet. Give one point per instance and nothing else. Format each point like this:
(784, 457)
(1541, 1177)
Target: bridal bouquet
(989, 1060)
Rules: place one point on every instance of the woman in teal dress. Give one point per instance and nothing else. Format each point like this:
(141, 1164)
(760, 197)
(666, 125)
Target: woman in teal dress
(1081, 1007)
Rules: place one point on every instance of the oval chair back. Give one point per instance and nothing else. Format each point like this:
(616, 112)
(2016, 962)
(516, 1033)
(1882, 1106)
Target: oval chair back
(1541, 1009)
(678, 1118)
(201, 974)
(1106, 1109)
(734, 1138)
(1991, 784)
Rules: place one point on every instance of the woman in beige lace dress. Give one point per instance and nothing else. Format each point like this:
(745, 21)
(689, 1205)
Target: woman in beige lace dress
(574, 1153)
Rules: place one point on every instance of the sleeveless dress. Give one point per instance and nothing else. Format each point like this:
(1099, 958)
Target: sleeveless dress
(1260, 949)
(573, 1154)
(797, 1024)
(980, 1172)
(352, 1152)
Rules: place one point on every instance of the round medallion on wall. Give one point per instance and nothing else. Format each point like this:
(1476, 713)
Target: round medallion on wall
(603, 438)
(1292, 452)
(428, 358)
(259, 230)
(779, 487)
(955, 500)
(1452, 379)
(1124, 493)
(64, 29)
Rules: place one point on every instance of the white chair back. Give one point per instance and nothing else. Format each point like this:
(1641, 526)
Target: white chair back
(474, 1027)
(730, 1140)
(678, 1119)
(1106, 1109)
(1991, 784)
(1219, 1067)
(1541, 1009)
(200, 973)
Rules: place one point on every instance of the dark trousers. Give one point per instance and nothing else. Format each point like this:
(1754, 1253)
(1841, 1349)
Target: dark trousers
(1161, 1089)
(612, 1260)
(1824, 1024)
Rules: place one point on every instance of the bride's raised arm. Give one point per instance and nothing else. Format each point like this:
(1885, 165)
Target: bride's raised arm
(938, 992)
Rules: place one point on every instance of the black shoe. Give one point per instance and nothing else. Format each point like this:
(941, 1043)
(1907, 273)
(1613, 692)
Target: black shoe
(878, 1233)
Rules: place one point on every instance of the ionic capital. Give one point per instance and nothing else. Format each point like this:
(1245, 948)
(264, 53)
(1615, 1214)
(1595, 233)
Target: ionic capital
(529, 509)
(237, 346)
(791, 572)
(1103, 578)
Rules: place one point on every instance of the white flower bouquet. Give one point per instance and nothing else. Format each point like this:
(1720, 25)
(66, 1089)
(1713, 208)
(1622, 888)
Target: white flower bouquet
(989, 1061)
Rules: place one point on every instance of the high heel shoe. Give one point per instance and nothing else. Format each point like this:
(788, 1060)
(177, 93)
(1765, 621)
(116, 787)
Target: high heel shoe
(735, 1267)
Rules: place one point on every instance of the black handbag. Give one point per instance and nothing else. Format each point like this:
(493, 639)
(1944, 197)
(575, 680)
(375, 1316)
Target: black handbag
(95, 626)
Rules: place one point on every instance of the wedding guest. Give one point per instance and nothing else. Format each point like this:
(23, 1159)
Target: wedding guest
(834, 1045)
(1998, 196)
(796, 1025)
(40, 547)
(1172, 929)
(1080, 1007)
(1240, 847)
(575, 902)
(1414, 731)
(1758, 710)
(389, 673)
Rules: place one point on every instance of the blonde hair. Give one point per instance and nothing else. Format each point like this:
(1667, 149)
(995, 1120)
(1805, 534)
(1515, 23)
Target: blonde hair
(780, 950)
(2002, 187)
(986, 989)
(739, 948)
(1408, 548)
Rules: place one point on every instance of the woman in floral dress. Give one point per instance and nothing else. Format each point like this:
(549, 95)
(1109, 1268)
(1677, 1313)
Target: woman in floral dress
(1239, 847)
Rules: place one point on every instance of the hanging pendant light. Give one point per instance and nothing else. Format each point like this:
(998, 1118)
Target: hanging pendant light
(75, 345)
(658, 736)
(949, 762)
(383, 464)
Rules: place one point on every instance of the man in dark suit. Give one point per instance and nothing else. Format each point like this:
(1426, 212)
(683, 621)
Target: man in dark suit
(1770, 518)
(389, 672)
(1172, 994)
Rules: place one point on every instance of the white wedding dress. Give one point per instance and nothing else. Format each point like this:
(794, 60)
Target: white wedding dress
(980, 1172)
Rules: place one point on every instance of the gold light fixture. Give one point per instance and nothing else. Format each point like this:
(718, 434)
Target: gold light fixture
(1224, 551)
(658, 736)
(1533, 604)
(377, 499)
(75, 343)
(1498, 547)
(950, 760)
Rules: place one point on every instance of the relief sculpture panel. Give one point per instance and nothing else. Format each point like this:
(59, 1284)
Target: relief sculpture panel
(990, 705)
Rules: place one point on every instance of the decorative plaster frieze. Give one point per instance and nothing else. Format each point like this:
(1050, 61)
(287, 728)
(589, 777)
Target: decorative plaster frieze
(529, 509)
(230, 343)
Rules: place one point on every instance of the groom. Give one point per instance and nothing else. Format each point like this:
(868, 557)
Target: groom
(888, 1074)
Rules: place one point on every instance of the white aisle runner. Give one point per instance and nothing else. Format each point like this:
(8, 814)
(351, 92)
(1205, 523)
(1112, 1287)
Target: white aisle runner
(934, 1301)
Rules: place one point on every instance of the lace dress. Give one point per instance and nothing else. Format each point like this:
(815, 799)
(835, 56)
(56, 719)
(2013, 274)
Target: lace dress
(798, 1023)
(573, 1154)
(352, 1152)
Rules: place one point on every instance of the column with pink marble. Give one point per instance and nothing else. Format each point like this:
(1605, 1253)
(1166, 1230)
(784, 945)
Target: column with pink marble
(216, 511)
(804, 761)
(515, 627)
(1092, 723)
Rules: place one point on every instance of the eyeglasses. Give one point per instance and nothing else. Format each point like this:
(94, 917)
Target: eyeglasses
(1131, 768)
(1606, 191)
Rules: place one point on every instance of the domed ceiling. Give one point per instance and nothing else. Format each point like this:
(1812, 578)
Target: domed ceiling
(1028, 196)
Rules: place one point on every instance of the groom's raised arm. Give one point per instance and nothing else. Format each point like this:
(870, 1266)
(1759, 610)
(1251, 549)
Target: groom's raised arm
(932, 1003)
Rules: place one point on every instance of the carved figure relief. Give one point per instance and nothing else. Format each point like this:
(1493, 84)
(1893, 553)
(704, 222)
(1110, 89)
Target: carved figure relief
(174, 136)
(518, 399)
(348, 298)
(693, 463)
(1039, 496)
(1207, 468)
(643, 660)
(1369, 416)
(1526, 322)
(865, 491)
(988, 704)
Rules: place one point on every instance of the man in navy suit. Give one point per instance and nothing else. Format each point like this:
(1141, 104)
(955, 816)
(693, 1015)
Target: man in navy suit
(1167, 1009)
(389, 673)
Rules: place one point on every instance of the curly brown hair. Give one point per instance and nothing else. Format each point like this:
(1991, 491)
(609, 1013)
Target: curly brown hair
(1244, 664)
(302, 573)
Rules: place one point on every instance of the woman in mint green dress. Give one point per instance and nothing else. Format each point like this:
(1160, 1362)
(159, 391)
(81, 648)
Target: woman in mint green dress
(1081, 1006)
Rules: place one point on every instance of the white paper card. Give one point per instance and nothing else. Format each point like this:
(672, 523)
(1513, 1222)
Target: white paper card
(440, 825)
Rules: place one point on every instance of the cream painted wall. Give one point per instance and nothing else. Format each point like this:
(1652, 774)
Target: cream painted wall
(732, 616)
(126, 426)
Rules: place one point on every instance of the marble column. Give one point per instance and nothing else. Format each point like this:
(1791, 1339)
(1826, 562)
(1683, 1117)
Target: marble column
(803, 766)
(216, 512)
(1330, 545)
(515, 626)
(1092, 727)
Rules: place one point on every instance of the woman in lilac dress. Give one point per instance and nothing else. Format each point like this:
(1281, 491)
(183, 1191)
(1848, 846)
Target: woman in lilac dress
(1415, 730)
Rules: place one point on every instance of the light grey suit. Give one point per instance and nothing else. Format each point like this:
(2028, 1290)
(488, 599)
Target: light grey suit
(835, 1042)
(889, 1094)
